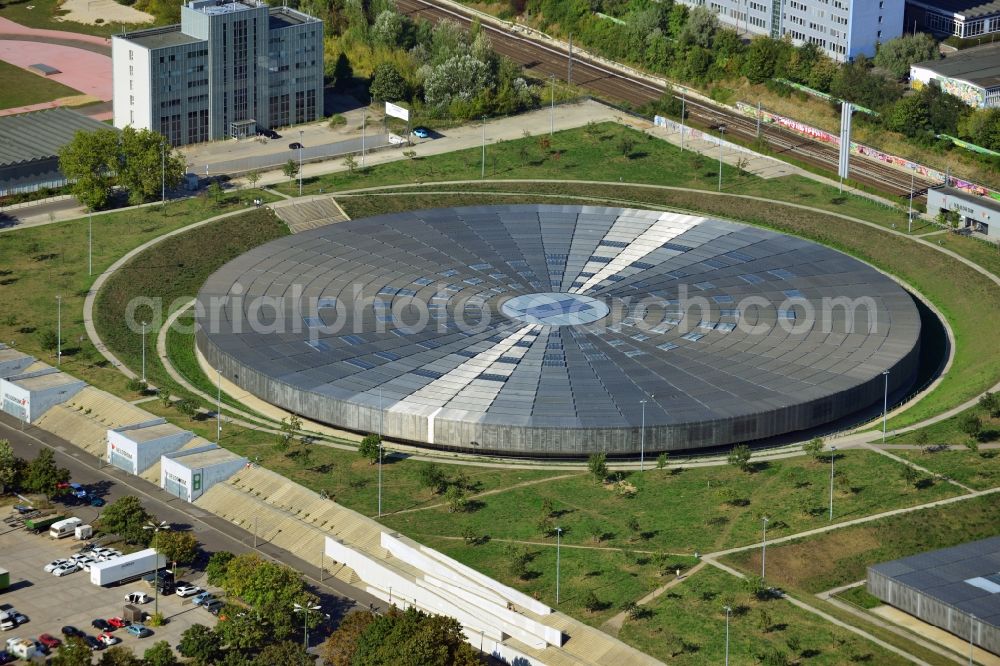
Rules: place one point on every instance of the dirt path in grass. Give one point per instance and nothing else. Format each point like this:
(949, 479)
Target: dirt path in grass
(487, 493)
(525, 542)
(614, 625)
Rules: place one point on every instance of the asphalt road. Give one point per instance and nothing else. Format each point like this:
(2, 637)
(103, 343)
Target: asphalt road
(275, 153)
(543, 60)
(215, 534)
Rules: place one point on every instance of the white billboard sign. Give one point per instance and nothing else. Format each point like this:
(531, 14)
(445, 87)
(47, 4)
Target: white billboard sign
(397, 111)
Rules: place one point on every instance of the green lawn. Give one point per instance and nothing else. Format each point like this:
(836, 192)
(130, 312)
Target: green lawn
(977, 470)
(39, 263)
(840, 557)
(949, 431)
(687, 626)
(696, 509)
(19, 87)
(43, 13)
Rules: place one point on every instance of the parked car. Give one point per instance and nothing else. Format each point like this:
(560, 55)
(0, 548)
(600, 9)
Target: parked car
(107, 639)
(70, 631)
(203, 598)
(421, 132)
(295, 145)
(396, 140)
(214, 606)
(92, 643)
(55, 564)
(185, 590)
(138, 630)
(6, 657)
(117, 622)
(49, 641)
(137, 598)
(23, 508)
(96, 501)
(101, 625)
(19, 618)
(65, 570)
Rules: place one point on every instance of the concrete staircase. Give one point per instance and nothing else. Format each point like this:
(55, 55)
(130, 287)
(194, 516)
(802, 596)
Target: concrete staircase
(309, 212)
(85, 418)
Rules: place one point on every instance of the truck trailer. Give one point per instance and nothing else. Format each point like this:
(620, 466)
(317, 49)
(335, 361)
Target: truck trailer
(4, 579)
(39, 525)
(127, 568)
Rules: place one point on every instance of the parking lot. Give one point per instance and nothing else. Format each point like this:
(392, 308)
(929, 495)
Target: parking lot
(51, 603)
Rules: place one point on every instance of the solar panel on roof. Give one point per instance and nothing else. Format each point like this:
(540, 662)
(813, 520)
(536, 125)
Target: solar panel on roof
(430, 374)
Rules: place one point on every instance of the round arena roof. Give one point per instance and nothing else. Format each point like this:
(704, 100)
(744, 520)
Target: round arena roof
(558, 330)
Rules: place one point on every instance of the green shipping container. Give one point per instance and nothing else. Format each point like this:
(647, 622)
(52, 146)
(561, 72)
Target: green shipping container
(4, 579)
(39, 524)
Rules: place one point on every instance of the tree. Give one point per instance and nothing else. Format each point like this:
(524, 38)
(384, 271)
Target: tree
(739, 456)
(633, 527)
(990, 403)
(760, 59)
(253, 177)
(625, 144)
(433, 477)
(214, 191)
(461, 77)
(218, 566)
(11, 467)
(661, 460)
(591, 602)
(388, 85)
(971, 425)
(269, 589)
(177, 546)
(764, 620)
(48, 340)
(200, 644)
(241, 630)
(813, 447)
(456, 499)
(73, 652)
(287, 653)
(126, 517)
(339, 648)
(910, 474)
(597, 465)
(414, 637)
(517, 561)
(119, 655)
(44, 476)
(188, 407)
(387, 30)
(160, 654)
(351, 163)
(370, 447)
(89, 161)
(147, 164)
(700, 27)
(290, 169)
(896, 55)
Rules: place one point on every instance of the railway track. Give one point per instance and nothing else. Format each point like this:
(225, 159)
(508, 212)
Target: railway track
(545, 60)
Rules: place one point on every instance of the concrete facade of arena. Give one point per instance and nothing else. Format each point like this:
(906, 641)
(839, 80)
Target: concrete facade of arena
(229, 69)
(842, 28)
(520, 388)
(968, 19)
(30, 145)
(956, 589)
(972, 75)
(980, 214)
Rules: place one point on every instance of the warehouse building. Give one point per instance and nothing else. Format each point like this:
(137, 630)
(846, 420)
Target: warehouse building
(980, 214)
(136, 448)
(27, 396)
(842, 28)
(956, 589)
(229, 69)
(188, 474)
(30, 145)
(960, 18)
(972, 75)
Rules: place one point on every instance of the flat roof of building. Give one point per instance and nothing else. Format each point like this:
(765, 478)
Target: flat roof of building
(966, 577)
(968, 9)
(975, 200)
(213, 7)
(152, 432)
(40, 135)
(159, 38)
(979, 65)
(283, 17)
(208, 458)
(46, 381)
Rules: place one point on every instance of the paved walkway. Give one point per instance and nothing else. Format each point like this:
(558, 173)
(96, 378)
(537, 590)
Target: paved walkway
(79, 69)
(8, 27)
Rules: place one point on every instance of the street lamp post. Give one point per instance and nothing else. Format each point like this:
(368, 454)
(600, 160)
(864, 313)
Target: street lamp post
(558, 544)
(972, 625)
(683, 106)
(163, 174)
(909, 215)
(885, 402)
(58, 331)
(218, 409)
(833, 456)
(90, 243)
(642, 437)
(552, 107)
(364, 121)
(305, 610)
(763, 548)
(157, 528)
(143, 351)
(380, 451)
(482, 172)
(722, 130)
(728, 611)
(300, 163)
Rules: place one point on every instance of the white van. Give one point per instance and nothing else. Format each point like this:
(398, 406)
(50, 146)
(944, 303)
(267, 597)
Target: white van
(7, 621)
(64, 528)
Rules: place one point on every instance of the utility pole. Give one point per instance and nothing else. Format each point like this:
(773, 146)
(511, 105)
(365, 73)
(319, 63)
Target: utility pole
(90, 243)
(569, 68)
(909, 215)
(833, 456)
(558, 544)
(380, 451)
(364, 120)
(218, 409)
(763, 548)
(885, 402)
(58, 331)
(552, 108)
(758, 120)
(482, 173)
(683, 112)
(722, 138)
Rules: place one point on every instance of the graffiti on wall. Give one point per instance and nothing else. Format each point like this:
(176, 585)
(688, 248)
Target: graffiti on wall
(968, 93)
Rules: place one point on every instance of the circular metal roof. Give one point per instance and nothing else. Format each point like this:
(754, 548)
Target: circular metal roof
(540, 330)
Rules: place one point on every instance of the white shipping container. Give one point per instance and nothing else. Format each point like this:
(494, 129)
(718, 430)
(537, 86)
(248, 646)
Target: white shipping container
(127, 567)
(83, 532)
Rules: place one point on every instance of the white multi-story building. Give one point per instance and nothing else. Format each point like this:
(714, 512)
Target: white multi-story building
(842, 28)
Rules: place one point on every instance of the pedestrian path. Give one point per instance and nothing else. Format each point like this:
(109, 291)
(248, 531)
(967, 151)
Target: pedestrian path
(309, 213)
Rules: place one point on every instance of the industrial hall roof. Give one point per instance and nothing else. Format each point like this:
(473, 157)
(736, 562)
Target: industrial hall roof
(40, 135)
